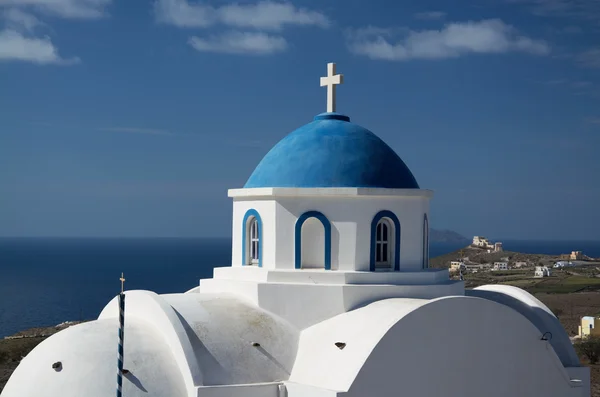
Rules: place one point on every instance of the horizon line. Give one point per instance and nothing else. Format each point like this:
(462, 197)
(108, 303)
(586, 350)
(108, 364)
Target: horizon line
(229, 237)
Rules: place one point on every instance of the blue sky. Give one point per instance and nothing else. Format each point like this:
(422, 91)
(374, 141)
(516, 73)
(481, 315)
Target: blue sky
(133, 118)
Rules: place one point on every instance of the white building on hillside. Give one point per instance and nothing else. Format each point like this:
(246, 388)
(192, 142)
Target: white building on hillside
(500, 266)
(541, 271)
(329, 294)
(456, 266)
(561, 264)
(480, 241)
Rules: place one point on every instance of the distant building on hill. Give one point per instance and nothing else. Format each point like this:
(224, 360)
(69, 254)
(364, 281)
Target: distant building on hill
(519, 265)
(590, 326)
(482, 242)
(561, 264)
(456, 266)
(573, 256)
(576, 256)
(500, 266)
(541, 271)
(475, 267)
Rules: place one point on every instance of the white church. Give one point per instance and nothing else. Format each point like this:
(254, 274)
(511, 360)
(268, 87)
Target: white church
(329, 294)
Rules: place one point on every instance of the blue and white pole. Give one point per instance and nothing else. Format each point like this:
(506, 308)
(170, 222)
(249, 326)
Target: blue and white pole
(121, 335)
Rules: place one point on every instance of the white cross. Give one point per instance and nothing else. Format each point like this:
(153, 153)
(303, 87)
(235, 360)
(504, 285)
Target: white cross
(331, 81)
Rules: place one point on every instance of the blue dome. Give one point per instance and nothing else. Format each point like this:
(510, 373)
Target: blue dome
(332, 152)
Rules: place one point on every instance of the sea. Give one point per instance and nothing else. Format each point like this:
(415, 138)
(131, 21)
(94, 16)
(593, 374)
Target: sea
(46, 281)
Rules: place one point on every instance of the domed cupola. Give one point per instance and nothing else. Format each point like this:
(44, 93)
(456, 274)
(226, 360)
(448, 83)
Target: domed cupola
(331, 195)
(332, 152)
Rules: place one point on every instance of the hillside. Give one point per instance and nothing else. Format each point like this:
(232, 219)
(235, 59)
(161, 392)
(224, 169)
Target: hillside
(477, 255)
(585, 276)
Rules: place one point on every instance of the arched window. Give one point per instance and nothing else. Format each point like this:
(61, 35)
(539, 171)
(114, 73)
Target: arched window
(385, 241)
(425, 242)
(383, 257)
(252, 239)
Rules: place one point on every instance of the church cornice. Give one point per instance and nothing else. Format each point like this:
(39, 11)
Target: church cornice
(328, 192)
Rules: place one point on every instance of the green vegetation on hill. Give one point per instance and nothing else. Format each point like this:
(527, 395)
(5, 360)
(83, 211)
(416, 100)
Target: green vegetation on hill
(585, 277)
(477, 255)
(560, 282)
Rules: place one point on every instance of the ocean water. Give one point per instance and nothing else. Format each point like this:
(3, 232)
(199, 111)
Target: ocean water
(44, 282)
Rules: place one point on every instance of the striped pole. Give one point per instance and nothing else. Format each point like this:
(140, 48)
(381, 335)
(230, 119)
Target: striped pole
(121, 335)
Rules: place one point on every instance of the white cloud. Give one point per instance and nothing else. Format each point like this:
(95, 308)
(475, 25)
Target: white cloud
(265, 15)
(270, 15)
(17, 19)
(14, 46)
(453, 40)
(372, 31)
(430, 15)
(590, 58)
(240, 43)
(183, 14)
(64, 8)
(20, 38)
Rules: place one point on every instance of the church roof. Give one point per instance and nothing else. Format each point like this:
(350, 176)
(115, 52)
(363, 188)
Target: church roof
(88, 366)
(332, 152)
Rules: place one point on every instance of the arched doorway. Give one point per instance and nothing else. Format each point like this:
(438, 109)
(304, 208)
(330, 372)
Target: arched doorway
(313, 244)
(313, 241)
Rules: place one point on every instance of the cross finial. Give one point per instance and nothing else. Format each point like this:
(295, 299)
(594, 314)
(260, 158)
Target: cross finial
(122, 282)
(331, 80)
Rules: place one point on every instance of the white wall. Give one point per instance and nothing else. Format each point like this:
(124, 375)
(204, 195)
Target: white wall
(498, 353)
(247, 390)
(305, 304)
(350, 219)
(404, 346)
(536, 312)
(298, 390)
(222, 329)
